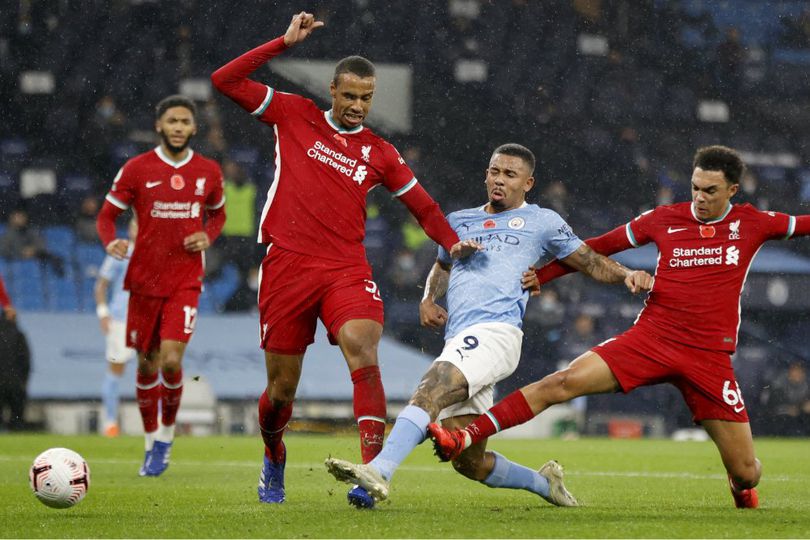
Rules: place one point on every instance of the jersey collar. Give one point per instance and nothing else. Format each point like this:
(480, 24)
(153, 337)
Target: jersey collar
(484, 209)
(168, 161)
(721, 218)
(328, 117)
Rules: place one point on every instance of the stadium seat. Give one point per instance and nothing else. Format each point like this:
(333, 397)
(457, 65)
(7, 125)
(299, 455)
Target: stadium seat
(222, 288)
(26, 285)
(88, 261)
(60, 239)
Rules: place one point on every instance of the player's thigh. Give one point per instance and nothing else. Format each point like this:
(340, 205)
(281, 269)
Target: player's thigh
(484, 354)
(735, 443)
(178, 316)
(352, 295)
(709, 386)
(143, 325)
(116, 340)
(290, 287)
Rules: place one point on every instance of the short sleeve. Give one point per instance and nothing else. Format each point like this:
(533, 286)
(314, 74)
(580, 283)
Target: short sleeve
(277, 106)
(398, 177)
(558, 238)
(122, 192)
(776, 225)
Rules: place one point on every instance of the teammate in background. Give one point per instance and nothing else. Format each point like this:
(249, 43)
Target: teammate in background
(687, 330)
(485, 311)
(9, 312)
(171, 189)
(112, 318)
(313, 224)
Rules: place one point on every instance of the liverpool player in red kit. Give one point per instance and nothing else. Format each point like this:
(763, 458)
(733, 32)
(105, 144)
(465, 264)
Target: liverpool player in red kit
(171, 189)
(313, 224)
(687, 330)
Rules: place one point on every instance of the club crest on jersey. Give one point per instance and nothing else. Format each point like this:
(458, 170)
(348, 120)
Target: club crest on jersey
(516, 223)
(200, 187)
(707, 231)
(177, 182)
(734, 230)
(341, 139)
(489, 224)
(366, 153)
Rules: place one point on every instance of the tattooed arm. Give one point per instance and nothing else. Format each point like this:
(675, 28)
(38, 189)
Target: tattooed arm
(430, 313)
(606, 270)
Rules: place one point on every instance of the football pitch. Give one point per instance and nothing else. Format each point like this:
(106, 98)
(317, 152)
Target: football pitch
(628, 488)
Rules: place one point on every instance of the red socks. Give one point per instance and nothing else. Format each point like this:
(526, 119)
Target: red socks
(147, 390)
(510, 411)
(369, 410)
(172, 390)
(272, 423)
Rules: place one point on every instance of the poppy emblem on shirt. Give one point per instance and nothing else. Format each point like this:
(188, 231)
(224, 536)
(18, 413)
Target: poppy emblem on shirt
(341, 139)
(489, 224)
(516, 223)
(177, 182)
(707, 231)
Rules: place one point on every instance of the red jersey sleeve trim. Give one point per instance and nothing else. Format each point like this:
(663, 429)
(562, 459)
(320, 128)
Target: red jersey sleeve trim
(116, 202)
(105, 222)
(266, 103)
(217, 206)
(406, 188)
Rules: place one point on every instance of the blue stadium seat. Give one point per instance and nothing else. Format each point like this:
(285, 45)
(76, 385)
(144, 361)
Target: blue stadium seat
(224, 286)
(26, 285)
(60, 239)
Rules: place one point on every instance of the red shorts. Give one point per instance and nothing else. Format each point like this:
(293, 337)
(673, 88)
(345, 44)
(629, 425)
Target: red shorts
(152, 319)
(705, 378)
(296, 289)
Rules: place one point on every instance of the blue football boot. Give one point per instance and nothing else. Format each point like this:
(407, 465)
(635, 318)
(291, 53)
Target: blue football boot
(146, 459)
(271, 482)
(360, 498)
(159, 461)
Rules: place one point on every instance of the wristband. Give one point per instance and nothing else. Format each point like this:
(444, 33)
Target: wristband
(102, 310)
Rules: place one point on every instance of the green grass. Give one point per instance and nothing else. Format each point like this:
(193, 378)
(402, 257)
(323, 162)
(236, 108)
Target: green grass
(640, 488)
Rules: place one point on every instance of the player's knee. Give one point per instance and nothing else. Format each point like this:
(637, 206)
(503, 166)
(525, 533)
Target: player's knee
(557, 387)
(746, 474)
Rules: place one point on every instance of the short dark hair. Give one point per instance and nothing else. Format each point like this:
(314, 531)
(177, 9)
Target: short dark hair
(720, 158)
(174, 101)
(357, 65)
(519, 151)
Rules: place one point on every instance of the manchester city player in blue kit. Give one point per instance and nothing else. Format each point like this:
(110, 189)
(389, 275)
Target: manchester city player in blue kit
(486, 301)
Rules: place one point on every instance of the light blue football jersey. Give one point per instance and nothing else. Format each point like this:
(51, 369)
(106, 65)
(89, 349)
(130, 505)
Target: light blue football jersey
(485, 287)
(114, 271)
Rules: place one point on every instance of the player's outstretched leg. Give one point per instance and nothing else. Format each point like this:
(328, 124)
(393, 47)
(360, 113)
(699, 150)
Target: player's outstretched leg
(365, 476)
(271, 480)
(744, 498)
(558, 495)
(448, 444)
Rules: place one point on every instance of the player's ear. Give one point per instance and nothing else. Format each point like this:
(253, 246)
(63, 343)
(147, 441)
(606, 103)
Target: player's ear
(157, 126)
(529, 184)
(732, 190)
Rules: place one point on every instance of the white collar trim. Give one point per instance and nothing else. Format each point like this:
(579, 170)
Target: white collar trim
(168, 161)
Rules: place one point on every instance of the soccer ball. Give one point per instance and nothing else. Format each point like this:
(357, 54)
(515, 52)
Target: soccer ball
(59, 477)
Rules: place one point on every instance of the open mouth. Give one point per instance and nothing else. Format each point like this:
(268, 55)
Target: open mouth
(353, 118)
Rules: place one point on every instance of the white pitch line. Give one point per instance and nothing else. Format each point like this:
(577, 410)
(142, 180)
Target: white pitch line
(432, 469)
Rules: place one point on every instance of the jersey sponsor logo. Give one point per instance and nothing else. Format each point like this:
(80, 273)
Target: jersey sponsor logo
(341, 139)
(177, 182)
(707, 231)
(360, 175)
(334, 159)
(175, 210)
(566, 231)
(496, 241)
(674, 230)
(704, 256)
(489, 224)
(366, 153)
(516, 223)
(734, 230)
(200, 183)
(150, 185)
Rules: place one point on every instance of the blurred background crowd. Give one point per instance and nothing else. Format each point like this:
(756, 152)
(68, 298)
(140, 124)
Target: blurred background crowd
(613, 96)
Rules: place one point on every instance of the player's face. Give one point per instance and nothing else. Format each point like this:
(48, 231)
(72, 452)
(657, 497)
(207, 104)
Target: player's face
(351, 99)
(711, 193)
(176, 127)
(508, 181)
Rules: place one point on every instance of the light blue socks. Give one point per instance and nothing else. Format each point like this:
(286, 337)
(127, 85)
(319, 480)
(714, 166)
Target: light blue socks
(109, 397)
(408, 432)
(507, 474)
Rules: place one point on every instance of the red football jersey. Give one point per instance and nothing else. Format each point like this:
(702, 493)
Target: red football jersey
(316, 204)
(169, 200)
(702, 267)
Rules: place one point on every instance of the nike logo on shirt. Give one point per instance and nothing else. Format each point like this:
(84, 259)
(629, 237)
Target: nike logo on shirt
(670, 230)
(153, 184)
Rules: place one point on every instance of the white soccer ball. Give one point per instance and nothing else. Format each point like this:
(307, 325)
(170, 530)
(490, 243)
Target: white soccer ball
(59, 477)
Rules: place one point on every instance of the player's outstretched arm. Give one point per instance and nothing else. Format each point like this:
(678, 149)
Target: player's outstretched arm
(430, 313)
(430, 217)
(606, 270)
(606, 244)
